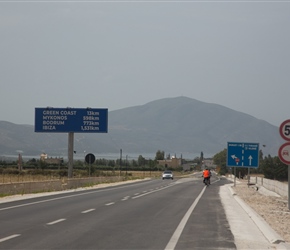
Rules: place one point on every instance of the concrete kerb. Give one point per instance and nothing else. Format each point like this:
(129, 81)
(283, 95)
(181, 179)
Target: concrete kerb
(271, 235)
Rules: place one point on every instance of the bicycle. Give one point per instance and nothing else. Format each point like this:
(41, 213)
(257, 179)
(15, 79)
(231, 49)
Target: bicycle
(206, 182)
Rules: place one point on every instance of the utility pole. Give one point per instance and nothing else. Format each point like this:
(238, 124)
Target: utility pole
(70, 154)
(120, 160)
(126, 164)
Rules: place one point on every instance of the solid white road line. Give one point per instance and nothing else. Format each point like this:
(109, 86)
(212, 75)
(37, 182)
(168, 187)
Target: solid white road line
(175, 237)
(56, 221)
(9, 237)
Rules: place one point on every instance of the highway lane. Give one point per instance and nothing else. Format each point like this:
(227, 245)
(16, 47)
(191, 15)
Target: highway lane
(143, 215)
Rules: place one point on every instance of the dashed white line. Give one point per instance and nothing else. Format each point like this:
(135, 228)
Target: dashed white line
(111, 203)
(89, 210)
(125, 198)
(138, 196)
(56, 221)
(9, 237)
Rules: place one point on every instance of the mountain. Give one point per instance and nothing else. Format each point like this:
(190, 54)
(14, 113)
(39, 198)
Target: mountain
(179, 125)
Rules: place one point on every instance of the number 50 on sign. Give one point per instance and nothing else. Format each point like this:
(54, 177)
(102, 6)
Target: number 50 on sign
(285, 130)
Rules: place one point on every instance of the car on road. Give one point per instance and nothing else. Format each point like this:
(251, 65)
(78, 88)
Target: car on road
(167, 175)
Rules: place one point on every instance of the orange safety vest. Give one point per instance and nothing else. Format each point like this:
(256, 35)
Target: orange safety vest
(205, 173)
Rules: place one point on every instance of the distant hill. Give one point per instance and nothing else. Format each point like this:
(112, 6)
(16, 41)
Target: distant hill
(178, 126)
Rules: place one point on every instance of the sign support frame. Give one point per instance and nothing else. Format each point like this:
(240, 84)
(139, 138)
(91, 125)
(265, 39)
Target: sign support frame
(71, 120)
(70, 154)
(284, 131)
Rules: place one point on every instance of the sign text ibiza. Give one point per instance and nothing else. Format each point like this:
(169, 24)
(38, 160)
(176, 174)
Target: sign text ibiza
(88, 120)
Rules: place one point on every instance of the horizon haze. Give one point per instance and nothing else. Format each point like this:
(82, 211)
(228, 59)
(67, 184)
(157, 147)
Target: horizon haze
(119, 54)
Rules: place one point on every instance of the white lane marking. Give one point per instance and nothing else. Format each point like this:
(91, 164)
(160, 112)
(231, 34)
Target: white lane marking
(89, 210)
(56, 221)
(125, 198)
(138, 196)
(9, 237)
(65, 197)
(175, 237)
(111, 203)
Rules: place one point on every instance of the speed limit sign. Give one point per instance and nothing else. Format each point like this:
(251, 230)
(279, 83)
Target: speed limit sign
(285, 130)
(284, 153)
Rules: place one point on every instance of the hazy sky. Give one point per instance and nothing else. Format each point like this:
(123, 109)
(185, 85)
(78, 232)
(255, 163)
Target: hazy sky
(117, 54)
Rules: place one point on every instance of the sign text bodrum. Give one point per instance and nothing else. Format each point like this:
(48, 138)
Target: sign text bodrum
(77, 120)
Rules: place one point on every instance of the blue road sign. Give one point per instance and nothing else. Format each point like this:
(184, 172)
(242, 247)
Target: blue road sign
(241, 154)
(78, 120)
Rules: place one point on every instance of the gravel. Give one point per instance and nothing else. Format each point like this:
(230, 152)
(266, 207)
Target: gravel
(272, 207)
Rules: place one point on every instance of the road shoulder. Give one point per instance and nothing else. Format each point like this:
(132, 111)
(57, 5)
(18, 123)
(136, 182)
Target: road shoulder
(246, 233)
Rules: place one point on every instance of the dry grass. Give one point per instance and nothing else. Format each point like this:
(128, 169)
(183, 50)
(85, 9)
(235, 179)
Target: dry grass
(10, 178)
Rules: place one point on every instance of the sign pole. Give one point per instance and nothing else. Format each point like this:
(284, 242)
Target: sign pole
(284, 150)
(235, 171)
(289, 187)
(242, 154)
(248, 177)
(71, 120)
(70, 154)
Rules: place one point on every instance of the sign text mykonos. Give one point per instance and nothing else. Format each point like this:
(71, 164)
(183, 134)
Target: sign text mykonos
(88, 120)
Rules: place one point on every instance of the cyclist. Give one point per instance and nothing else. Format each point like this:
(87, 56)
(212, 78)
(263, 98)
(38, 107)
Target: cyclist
(206, 175)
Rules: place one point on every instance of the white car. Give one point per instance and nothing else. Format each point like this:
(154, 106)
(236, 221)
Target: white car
(167, 175)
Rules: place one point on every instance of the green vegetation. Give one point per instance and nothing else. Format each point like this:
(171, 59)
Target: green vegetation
(39, 170)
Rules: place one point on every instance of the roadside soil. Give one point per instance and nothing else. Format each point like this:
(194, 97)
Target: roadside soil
(272, 208)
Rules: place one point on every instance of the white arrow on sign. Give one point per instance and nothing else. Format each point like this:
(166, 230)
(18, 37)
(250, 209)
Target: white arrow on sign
(250, 160)
(233, 156)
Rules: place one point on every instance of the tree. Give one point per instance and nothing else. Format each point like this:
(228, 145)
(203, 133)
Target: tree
(159, 155)
(220, 159)
(273, 168)
(201, 156)
(141, 160)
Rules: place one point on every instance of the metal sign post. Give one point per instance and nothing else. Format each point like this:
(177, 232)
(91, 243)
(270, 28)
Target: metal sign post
(90, 159)
(284, 150)
(242, 154)
(70, 120)
(70, 154)
(235, 171)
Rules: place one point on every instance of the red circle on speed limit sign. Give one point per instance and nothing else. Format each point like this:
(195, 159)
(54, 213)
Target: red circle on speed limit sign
(284, 153)
(285, 130)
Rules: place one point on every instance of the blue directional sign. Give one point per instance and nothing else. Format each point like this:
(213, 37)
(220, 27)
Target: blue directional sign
(87, 120)
(241, 154)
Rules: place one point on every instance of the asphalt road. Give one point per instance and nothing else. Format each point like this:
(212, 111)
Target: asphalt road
(152, 214)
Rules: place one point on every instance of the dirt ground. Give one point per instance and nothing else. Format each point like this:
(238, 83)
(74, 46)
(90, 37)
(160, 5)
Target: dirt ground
(274, 210)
